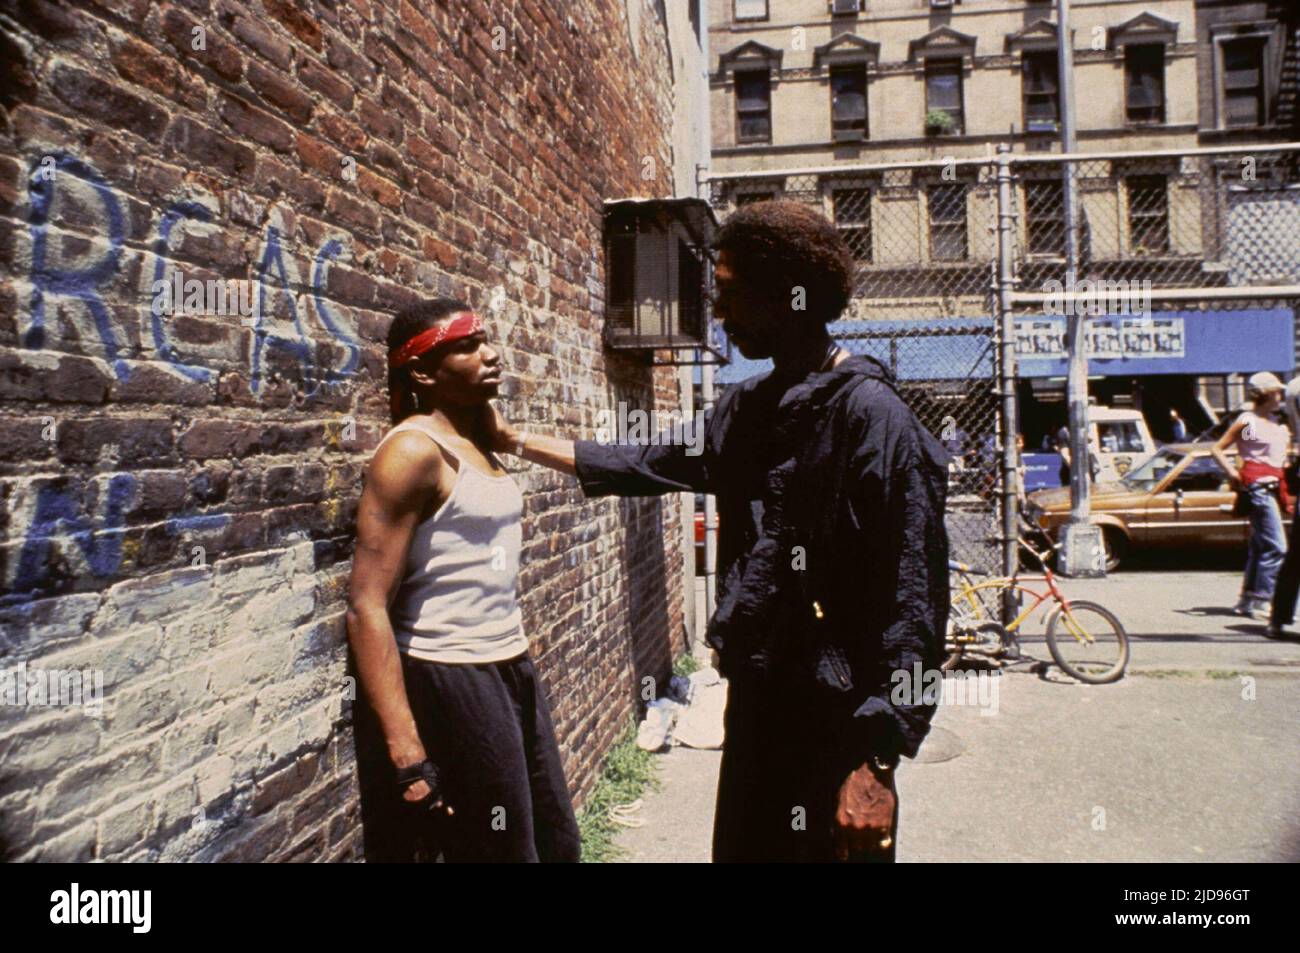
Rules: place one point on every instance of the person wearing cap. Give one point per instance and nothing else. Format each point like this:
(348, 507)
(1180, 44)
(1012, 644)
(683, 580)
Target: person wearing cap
(1261, 443)
(1288, 577)
(456, 751)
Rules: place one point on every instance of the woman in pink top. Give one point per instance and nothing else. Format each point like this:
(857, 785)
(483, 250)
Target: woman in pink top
(1261, 443)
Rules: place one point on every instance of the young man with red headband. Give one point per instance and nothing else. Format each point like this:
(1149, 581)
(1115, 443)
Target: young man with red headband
(455, 745)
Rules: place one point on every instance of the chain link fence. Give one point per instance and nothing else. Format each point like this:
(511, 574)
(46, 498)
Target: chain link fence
(1161, 236)
(1164, 240)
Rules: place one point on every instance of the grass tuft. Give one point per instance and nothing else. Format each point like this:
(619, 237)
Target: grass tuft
(627, 773)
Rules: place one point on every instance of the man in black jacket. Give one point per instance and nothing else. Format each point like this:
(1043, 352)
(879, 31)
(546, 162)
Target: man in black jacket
(833, 555)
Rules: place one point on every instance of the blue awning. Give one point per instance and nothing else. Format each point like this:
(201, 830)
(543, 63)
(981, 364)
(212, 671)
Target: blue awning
(1165, 342)
(929, 349)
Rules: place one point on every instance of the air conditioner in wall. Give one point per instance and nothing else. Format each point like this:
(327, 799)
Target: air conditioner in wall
(845, 6)
(941, 4)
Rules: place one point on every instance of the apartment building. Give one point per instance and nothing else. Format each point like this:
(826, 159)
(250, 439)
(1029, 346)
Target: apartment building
(843, 101)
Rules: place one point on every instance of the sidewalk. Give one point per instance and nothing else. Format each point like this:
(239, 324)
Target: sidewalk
(1171, 764)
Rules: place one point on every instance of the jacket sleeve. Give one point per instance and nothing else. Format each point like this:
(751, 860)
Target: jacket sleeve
(902, 470)
(668, 464)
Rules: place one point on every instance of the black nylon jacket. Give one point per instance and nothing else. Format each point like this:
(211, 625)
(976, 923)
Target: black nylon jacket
(832, 556)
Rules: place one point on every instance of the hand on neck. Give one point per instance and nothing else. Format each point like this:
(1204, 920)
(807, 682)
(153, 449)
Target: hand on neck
(465, 421)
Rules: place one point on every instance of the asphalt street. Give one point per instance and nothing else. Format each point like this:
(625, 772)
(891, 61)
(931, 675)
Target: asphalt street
(1193, 756)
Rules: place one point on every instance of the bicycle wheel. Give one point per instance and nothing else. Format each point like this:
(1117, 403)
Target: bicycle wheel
(1091, 646)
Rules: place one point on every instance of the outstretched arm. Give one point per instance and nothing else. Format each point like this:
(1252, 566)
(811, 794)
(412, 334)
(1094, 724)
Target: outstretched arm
(668, 464)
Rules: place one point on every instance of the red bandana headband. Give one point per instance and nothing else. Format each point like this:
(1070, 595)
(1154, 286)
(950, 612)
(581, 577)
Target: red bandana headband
(461, 325)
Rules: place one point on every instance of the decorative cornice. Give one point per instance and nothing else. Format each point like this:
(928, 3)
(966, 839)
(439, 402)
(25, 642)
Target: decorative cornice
(1143, 28)
(1039, 35)
(750, 53)
(847, 48)
(942, 41)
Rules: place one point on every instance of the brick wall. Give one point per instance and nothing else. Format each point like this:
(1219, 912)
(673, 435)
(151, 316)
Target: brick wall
(177, 493)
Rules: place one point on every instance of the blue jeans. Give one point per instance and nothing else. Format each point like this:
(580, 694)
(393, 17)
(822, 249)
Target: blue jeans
(1267, 546)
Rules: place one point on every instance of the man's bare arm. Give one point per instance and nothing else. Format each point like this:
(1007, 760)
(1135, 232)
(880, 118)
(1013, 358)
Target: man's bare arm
(403, 475)
(553, 452)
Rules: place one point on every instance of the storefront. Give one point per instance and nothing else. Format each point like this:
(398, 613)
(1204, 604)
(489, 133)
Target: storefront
(1192, 363)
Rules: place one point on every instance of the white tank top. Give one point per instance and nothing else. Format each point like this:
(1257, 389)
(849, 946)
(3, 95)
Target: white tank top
(458, 602)
(1263, 440)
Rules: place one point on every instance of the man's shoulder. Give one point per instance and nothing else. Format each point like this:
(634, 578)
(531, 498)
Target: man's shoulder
(881, 415)
(405, 460)
(869, 395)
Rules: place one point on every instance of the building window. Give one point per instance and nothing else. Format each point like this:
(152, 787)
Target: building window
(1042, 102)
(749, 198)
(1045, 217)
(751, 9)
(754, 107)
(1144, 75)
(943, 93)
(849, 102)
(852, 213)
(1243, 82)
(1148, 213)
(947, 222)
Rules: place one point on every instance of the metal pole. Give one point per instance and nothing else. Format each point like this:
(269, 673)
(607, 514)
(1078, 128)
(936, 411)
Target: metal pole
(1081, 541)
(1007, 375)
(710, 515)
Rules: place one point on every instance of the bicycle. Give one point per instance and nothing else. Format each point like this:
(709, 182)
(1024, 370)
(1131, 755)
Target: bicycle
(1086, 639)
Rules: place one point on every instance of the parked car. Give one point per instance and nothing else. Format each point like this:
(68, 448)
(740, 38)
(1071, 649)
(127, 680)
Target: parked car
(1121, 440)
(1179, 498)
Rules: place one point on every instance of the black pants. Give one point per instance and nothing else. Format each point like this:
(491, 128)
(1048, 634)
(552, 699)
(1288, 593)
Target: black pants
(779, 784)
(1288, 577)
(488, 729)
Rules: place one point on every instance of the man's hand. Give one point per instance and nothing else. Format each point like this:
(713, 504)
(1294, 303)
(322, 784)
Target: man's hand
(502, 437)
(420, 790)
(865, 815)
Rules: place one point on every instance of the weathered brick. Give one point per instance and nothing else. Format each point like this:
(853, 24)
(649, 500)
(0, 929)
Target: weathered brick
(283, 784)
(123, 826)
(205, 47)
(296, 20)
(277, 91)
(378, 188)
(473, 170)
(144, 65)
(27, 439)
(119, 441)
(249, 122)
(197, 144)
(338, 91)
(257, 35)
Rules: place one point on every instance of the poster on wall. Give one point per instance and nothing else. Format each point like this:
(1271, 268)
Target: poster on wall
(1104, 338)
